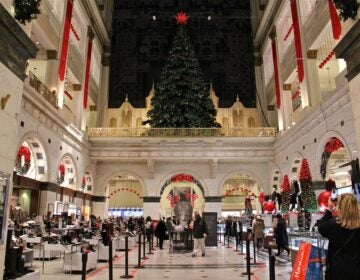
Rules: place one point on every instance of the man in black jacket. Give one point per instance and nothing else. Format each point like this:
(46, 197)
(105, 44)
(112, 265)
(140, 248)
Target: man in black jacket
(199, 233)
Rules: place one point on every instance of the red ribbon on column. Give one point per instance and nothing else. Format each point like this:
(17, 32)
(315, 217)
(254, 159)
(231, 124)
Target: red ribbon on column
(335, 21)
(276, 73)
(65, 40)
(298, 49)
(87, 72)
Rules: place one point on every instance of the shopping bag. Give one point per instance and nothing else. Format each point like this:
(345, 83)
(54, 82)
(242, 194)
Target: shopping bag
(309, 263)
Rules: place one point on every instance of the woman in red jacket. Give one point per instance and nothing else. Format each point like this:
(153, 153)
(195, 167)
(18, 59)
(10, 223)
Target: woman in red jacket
(343, 232)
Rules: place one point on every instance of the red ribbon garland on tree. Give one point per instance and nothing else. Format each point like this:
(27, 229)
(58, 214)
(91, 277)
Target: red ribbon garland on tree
(335, 21)
(276, 74)
(65, 40)
(298, 49)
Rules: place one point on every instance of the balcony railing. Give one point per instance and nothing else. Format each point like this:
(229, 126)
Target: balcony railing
(43, 90)
(182, 132)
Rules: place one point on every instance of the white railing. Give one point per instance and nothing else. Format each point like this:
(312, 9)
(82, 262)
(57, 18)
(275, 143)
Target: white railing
(182, 132)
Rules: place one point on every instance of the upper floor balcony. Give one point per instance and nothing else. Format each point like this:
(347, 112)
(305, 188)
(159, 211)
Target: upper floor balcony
(182, 132)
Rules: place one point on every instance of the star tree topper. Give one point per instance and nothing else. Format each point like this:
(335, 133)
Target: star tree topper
(181, 18)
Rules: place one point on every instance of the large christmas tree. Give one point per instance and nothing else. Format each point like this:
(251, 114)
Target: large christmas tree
(307, 193)
(182, 98)
(285, 194)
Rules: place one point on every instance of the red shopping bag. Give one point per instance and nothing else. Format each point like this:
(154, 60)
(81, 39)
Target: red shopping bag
(301, 263)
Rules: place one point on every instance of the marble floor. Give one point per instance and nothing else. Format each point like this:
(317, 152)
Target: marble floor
(219, 263)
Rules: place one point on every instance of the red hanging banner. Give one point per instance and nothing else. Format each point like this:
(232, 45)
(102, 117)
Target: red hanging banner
(335, 21)
(276, 73)
(298, 49)
(65, 40)
(87, 72)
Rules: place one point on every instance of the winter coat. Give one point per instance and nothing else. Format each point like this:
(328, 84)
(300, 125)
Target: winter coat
(346, 263)
(199, 228)
(160, 229)
(280, 233)
(259, 228)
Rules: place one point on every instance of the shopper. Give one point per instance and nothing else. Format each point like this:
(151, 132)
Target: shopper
(200, 231)
(160, 231)
(237, 228)
(148, 228)
(281, 235)
(258, 229)
(170, 227)
(343, 232)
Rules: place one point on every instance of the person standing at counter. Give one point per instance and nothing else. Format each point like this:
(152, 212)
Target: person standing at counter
(343, 232)
(281, 235)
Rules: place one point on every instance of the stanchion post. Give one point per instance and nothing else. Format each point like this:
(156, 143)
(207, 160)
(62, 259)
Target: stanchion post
(248, 272)
(236, 242)
(144, 244)
(139, 253)
(126, 275)
(254, 250)
(150, 246)
(84, 261)
(110, 260)
(228, 241)
(271, 265)
(152, 242)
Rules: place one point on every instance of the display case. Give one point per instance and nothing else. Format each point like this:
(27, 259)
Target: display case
(314, 238)
(4, 198)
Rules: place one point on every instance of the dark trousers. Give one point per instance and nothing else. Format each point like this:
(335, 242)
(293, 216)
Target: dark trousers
(161, 242)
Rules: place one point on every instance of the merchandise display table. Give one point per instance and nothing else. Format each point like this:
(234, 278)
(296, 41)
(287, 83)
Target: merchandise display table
(103, 252)
(73, 261)
(30, 276)
(28, 256)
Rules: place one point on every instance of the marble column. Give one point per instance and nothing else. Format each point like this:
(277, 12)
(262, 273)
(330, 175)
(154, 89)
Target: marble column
(15, 49)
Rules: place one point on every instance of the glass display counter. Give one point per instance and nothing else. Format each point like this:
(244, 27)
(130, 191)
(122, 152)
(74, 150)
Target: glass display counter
(297, 237)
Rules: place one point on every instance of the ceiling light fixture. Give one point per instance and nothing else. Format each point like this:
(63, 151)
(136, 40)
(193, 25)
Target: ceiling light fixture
(154, 17)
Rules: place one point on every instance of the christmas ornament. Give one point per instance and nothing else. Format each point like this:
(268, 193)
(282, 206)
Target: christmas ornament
(268, 206)
(181, 18)
(323, 199)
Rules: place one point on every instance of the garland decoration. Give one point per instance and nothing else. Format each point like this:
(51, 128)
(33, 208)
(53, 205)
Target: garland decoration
(22, 167)
(26, 10)
(331, 146)
(61, 174)
(348, 9)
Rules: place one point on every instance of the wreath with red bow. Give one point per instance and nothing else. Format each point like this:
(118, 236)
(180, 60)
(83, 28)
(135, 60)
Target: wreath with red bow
(22, 167)
(61, 174)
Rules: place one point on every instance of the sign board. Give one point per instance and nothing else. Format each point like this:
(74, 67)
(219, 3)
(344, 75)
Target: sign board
(210, 219)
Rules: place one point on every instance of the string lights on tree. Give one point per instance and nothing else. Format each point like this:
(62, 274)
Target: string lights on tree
(308, 195)
(285, 194)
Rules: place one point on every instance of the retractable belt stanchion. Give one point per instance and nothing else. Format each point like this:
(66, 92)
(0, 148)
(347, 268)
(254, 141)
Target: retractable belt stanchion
(248, 272)
(152, 242)
(150, 245)
(139, 253)
(254, 250)
(236, 242)
(228, 240)
(144, 244)
(110, 260)
(126, 275)
(271, 265)
(84, 257)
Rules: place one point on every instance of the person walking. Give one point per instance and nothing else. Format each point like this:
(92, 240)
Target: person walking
(160, 231)
(281, 235)
(343, 232)
(237, 228)
(200, 231)
(258, 230)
